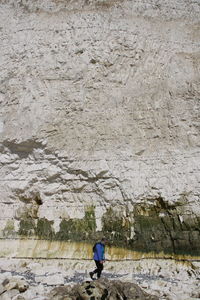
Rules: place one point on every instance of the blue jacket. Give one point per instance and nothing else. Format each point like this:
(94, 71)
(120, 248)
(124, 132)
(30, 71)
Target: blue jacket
(99, 253)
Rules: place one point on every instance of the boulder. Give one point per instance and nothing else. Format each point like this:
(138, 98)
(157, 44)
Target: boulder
(17, 284)
(10, 289)
(101, 289)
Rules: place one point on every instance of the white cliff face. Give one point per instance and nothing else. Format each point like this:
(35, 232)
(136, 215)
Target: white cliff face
(99, 109)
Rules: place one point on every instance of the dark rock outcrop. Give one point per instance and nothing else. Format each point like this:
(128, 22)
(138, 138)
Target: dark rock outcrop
(102, 289)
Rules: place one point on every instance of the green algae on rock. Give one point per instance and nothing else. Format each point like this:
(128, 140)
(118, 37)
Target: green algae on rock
(160, 227)
(117, 228)
(152, 227)
(9, 229)
(44, 229)
(157, 226)
(78, 229)
(27, 227)
(70, 229)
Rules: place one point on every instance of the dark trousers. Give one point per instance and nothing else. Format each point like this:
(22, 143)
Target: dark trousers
(99, 268)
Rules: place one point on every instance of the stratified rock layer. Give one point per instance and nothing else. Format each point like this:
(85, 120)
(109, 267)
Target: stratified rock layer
(99, 122)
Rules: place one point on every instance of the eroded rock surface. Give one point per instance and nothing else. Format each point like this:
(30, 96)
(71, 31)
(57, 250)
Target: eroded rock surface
(99, 121)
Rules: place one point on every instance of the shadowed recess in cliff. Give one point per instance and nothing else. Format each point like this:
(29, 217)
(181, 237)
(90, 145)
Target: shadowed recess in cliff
(24, 148)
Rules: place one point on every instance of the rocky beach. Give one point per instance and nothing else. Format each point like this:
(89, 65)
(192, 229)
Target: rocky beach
(43, 279)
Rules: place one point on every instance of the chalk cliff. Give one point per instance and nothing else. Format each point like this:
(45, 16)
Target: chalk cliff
(99, 122)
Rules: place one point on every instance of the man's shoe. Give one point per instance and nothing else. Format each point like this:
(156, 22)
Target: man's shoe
(91, 275)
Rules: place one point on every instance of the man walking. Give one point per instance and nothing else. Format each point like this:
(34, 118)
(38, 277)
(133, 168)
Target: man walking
(99, 258)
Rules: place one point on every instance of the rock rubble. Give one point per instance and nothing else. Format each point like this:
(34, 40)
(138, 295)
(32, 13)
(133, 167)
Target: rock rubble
(165, 279)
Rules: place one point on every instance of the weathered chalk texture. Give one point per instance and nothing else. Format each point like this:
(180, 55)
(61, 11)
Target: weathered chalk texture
(99, 122)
